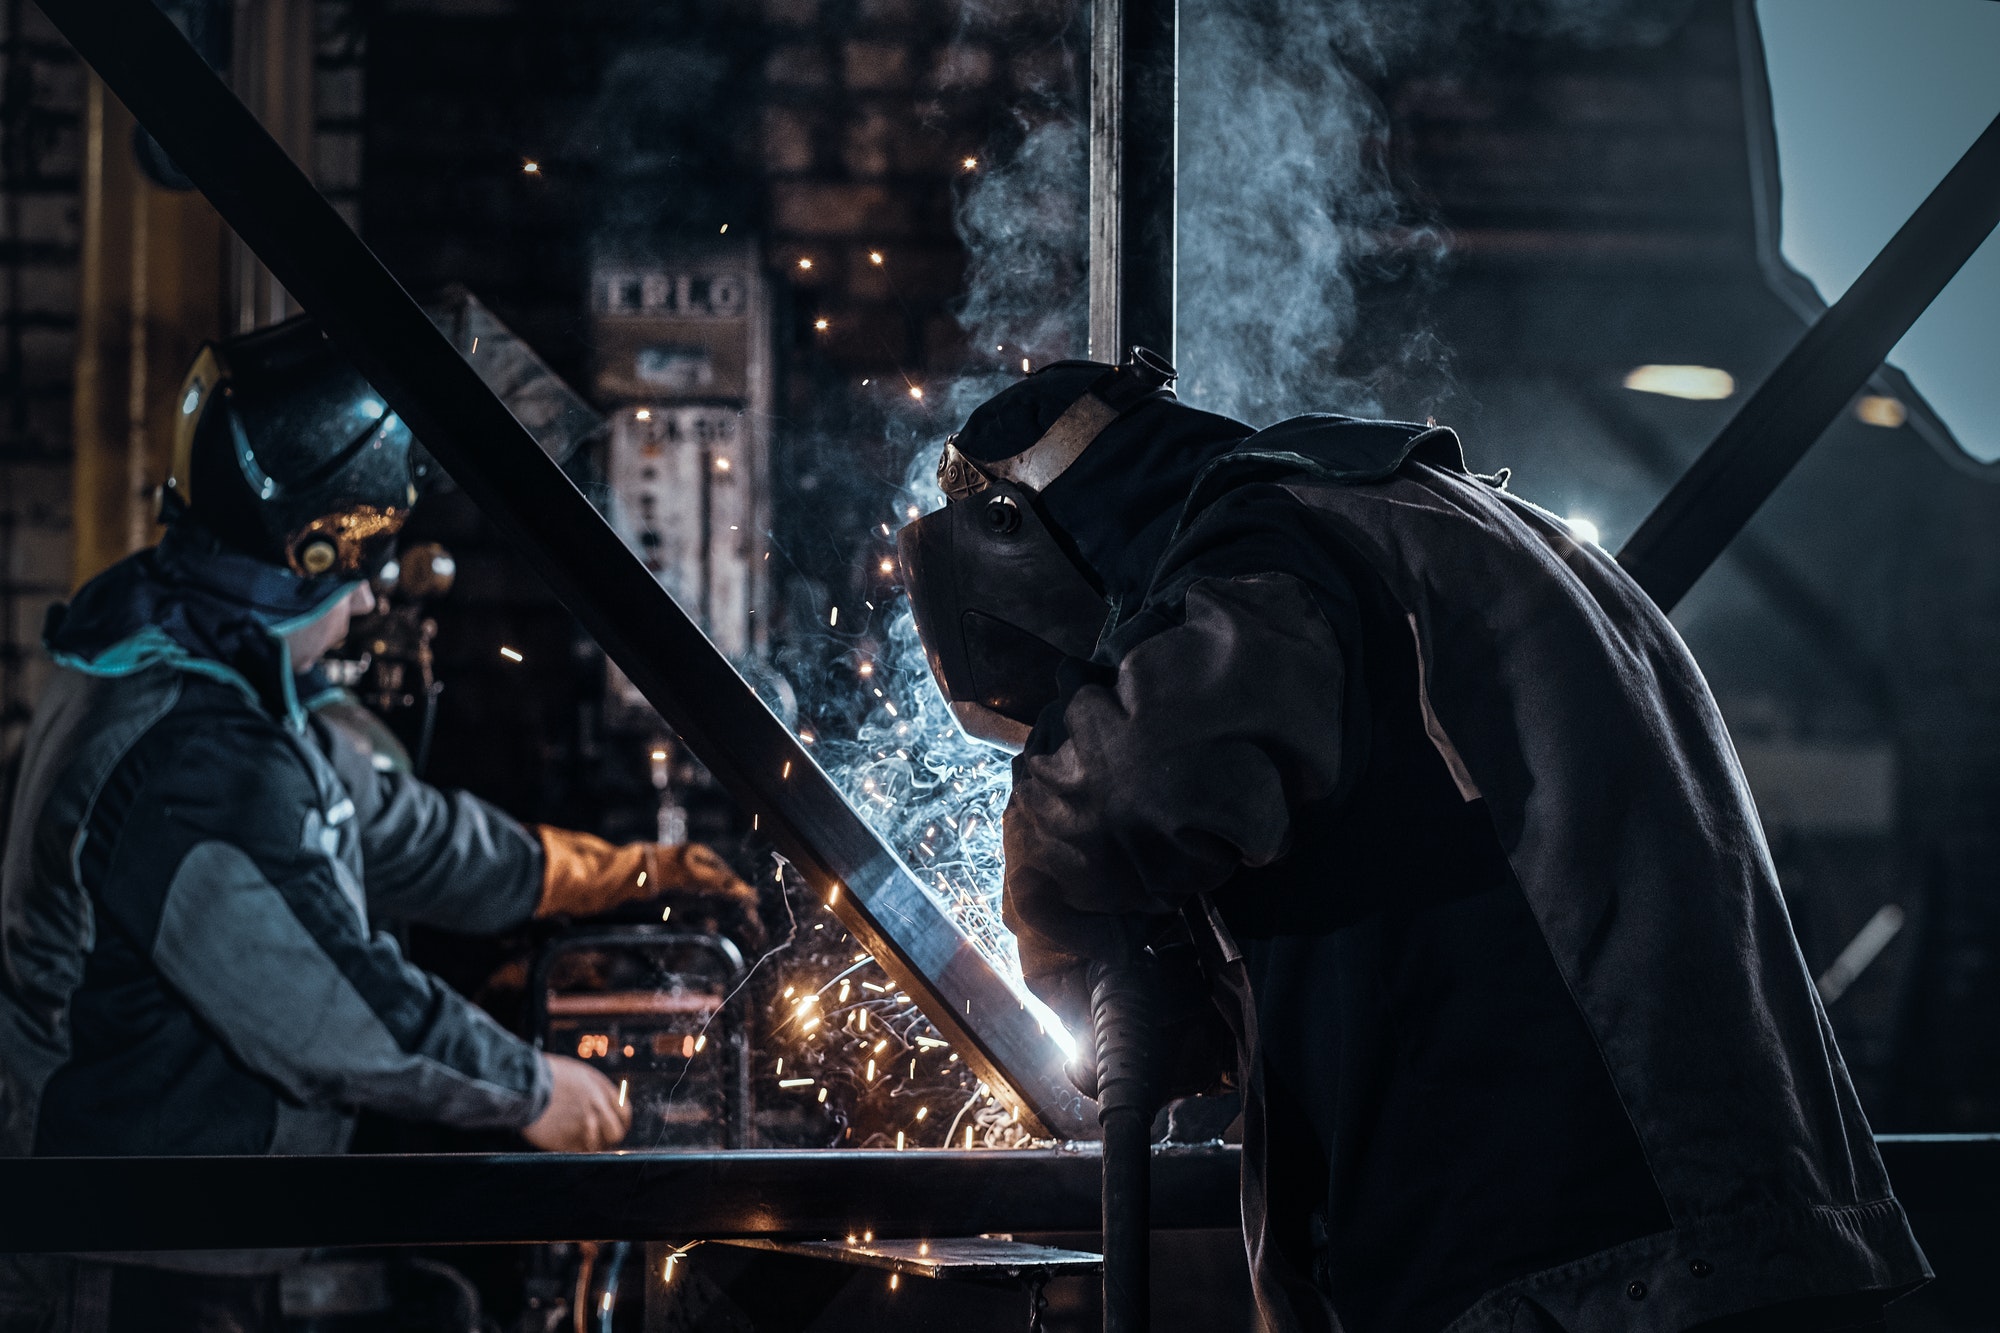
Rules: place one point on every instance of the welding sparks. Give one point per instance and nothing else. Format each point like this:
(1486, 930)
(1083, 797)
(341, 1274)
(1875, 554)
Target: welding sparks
(510, 655)
(874, 256)
(722, 463)
(623, 1084)
(969, 163)
(820, 325)
(916, 393)
(531, 168)
(833, 617)
(805, 263)
(795, 1083)
(643, 414)
(887, 566)
(724, 231)
(666, 912)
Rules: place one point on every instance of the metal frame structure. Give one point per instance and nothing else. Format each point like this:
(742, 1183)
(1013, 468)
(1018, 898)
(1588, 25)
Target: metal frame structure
(264, 196)
(179, 1203)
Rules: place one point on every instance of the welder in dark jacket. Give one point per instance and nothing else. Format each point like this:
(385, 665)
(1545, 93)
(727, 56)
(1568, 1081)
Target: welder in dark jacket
(196, 868)
(1525, 1038)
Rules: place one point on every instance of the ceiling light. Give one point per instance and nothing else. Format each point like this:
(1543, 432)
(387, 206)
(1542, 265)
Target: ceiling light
(1702, 383)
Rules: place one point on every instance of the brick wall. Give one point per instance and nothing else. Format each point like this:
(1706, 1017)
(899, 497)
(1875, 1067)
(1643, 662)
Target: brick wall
(40, 127)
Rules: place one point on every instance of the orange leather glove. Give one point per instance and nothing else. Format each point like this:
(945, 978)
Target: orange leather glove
(583, 875)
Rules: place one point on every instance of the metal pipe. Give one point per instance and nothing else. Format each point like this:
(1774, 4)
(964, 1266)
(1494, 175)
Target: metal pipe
(181, 1203)
(1125, 1004)
(1795, 404)
(1134, 144)
(261, 193)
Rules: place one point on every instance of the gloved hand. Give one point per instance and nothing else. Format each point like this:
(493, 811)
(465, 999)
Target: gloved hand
(1193, 1044)
(583, 875)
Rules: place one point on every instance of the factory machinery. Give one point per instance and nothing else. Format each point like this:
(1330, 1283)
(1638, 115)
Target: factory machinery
(679, 369)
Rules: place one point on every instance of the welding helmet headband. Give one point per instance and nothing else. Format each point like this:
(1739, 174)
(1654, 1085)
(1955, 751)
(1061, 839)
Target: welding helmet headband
(283, 452)
(999, 596)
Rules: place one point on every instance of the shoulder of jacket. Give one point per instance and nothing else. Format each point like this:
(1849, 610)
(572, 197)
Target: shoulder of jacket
(215, 738)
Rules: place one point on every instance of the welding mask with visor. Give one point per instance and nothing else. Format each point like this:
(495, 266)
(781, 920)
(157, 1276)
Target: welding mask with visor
(998, 596)
(283, 452)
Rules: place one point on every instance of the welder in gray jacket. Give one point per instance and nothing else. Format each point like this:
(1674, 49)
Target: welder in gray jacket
(1445, 805)
(195, 867)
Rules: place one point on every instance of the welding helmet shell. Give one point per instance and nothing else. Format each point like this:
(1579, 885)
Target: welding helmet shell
(283, 452)
(999, 595)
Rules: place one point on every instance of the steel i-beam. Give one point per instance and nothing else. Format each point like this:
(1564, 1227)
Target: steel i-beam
(261, 193)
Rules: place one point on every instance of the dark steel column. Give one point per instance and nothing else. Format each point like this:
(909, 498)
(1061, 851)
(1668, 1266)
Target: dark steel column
(1134, 142)
(261, 193)
(1792, 408)
(1134, 162)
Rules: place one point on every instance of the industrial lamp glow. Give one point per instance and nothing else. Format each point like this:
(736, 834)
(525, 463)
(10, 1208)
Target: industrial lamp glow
(1701, 383)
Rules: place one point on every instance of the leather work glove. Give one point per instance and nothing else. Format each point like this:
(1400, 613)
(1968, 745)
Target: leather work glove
(583, 875)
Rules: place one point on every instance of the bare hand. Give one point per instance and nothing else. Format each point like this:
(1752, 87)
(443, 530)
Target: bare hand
(583, 1114)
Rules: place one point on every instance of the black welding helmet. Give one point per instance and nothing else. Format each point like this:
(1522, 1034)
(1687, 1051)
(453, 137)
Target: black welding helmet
(282, 451)
(999, 591)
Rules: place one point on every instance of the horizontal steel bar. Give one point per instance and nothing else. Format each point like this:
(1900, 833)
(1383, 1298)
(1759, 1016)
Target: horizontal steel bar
(1795, 404)
(193, 1203)
(185, 1203)
(261, 193)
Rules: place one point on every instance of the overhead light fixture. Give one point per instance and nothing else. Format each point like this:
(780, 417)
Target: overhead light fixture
(1877, 409)
(1701, 383)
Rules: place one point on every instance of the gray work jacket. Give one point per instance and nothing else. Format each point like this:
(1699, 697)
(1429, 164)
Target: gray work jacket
(189, 955)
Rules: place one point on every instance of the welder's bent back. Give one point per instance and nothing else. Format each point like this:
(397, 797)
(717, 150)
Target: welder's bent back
(1526, 1033)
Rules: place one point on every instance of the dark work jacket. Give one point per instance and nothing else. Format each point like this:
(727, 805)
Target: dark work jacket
(195, 868)
(1525, 1031)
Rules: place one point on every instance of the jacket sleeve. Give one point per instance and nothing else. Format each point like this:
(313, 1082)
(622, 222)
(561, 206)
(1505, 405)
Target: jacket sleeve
(441, 858)
(1159, 779)
(224, 868)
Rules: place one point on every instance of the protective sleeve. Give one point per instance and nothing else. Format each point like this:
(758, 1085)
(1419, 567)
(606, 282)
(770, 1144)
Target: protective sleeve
(215, 852)
(1224, 717)
(441, 858)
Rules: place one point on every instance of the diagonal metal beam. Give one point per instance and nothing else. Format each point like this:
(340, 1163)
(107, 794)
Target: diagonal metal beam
(261, 193)
(1795, 404)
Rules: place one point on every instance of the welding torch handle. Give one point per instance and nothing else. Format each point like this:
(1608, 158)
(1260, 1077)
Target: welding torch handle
(1124, 1005)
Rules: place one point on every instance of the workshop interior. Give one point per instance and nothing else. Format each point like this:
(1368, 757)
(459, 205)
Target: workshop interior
(679, 302)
